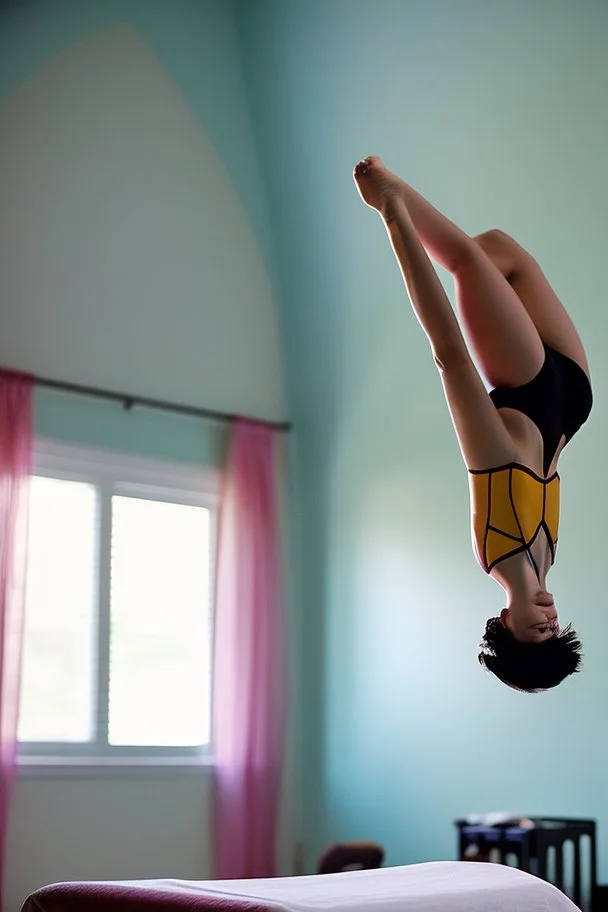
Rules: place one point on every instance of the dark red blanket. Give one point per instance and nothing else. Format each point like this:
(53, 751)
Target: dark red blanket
(91, 897)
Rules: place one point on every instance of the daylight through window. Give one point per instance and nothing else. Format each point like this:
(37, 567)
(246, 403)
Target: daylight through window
(118, 620)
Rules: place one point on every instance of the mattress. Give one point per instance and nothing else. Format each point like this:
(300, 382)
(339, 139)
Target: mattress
(431, 887)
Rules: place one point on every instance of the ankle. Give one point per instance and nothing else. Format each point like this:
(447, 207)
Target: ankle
(392, 207)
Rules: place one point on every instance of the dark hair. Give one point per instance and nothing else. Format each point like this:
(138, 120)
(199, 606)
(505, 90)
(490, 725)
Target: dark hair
(530, 667)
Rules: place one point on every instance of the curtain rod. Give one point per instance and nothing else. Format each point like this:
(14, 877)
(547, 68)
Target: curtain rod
(128, 402)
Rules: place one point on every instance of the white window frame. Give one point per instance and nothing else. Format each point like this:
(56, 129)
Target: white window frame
(115, 473)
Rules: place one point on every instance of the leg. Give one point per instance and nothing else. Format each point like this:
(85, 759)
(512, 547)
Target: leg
(501, 333)
(426, 293)
(481, 433)
(527, 279)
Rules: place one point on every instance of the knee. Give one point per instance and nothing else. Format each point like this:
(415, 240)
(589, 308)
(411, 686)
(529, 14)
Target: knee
(493, 240)
(465, 254)
(495, 244)
(500, 248)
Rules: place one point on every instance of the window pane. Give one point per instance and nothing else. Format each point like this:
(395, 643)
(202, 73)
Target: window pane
(160, 624)
(60, 613)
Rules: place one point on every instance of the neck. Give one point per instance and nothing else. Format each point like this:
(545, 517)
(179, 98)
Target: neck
(517, 576)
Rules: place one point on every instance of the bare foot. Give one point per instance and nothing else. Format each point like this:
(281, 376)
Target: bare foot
(378, 186)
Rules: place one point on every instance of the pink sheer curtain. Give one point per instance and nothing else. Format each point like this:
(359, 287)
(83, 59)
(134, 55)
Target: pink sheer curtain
(248, 711)
(15, 470)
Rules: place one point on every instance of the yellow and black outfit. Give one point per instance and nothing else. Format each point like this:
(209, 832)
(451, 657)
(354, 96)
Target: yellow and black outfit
(510, 504)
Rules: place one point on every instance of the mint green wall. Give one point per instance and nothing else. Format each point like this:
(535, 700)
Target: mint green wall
(193, 39)
(136, 256)
(152, 286)
(106, 425)
(497, 112)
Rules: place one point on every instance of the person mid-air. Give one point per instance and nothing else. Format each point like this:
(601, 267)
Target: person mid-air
(511, 438)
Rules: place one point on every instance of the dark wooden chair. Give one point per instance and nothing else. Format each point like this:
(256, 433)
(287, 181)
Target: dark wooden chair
(350, 856)
(530, 846)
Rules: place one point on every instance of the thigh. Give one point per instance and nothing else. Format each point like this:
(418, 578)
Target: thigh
(500, 331)
(550, 317)
(482, 435)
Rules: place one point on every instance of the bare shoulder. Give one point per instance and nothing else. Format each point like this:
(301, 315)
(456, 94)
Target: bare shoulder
(484, 440)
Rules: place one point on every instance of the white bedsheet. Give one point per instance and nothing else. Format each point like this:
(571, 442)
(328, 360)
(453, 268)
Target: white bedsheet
(431, 887)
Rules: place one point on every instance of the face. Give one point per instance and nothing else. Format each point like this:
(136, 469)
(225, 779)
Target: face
(531, 618)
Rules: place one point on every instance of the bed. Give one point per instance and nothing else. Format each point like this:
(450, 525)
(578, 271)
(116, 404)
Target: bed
(444, 886)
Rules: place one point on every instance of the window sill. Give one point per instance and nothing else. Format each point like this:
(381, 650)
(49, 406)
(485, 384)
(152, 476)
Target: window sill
(39, 767)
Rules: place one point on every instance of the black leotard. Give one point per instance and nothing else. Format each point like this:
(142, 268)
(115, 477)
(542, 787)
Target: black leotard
(558, 400)
(510, 504)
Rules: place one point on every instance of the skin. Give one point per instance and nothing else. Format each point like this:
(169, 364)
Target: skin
(509, 311)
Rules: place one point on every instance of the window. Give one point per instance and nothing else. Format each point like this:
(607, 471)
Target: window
(118, 619)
